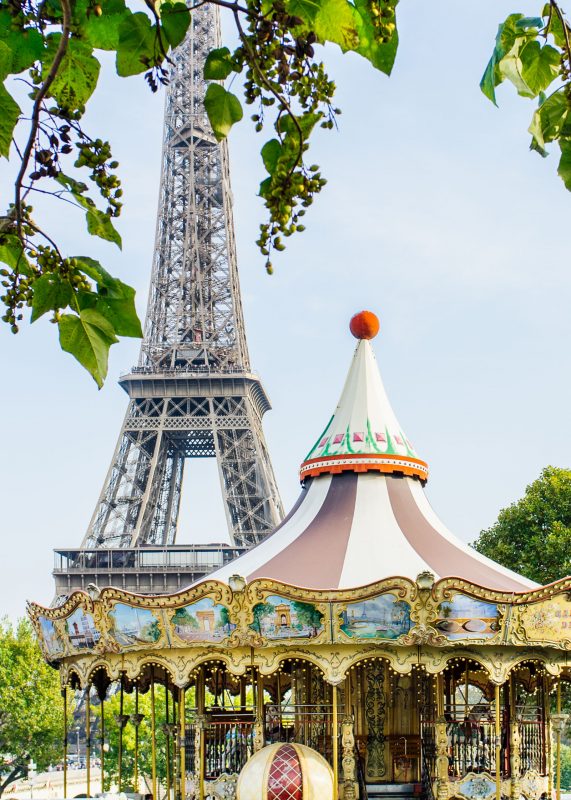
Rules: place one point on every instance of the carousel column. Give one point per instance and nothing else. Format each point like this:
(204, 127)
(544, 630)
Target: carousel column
(121, 722)
(64, 696)
(335, 741)
(375, 713)
(175, 744)
(88, 739)
(259, 723)
(498, 742)
(166, 730)
(136, 719)
(548, 734)
(558, 720)
(348, 747)
(515, 745)
(102, 745)
(199, 734)
(182, 743)
(442, 782)
(153, 737)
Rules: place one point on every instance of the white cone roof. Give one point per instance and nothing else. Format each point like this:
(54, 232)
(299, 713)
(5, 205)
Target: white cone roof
(364, 432)
(362, 515)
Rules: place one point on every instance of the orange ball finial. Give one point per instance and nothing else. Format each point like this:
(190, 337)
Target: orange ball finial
(364, 325)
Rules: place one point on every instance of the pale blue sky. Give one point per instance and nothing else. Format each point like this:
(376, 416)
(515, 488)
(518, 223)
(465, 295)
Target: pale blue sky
(436, 216)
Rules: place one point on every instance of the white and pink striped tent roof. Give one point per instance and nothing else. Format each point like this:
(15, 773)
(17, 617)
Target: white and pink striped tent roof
(362, 514)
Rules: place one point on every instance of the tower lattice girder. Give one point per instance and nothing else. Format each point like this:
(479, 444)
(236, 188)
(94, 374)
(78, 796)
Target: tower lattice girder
(192, 394)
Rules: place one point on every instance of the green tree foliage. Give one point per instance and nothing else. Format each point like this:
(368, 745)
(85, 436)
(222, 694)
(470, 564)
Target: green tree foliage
(54, 45)
(533, 535)
(144, 765)
(566, 767)
(31, 709)
(308, 615)
(261, 610)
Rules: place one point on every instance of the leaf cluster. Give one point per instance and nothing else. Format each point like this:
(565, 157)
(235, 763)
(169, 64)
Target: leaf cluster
(534, 54)
(53, 46)
(533, 535)
(31, 710)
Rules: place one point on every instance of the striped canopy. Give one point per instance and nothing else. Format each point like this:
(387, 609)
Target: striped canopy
(362, 514)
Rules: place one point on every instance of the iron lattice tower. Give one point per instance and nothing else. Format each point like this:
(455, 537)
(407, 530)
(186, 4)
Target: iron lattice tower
(192, 394)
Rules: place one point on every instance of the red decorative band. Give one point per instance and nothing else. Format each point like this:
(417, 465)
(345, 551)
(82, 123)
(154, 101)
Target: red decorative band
(285, 780)
(377, 462)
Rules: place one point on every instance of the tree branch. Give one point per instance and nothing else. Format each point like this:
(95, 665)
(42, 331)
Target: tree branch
(36, 110)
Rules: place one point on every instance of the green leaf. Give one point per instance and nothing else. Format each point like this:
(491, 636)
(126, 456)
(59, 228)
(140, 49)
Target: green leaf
(336, 22)
(557, 30)
(88, 337)
(50, 294)
(564, 168)
(99, 224)
(103, 31)
(223, 109)
(9, 115)
(94, 270)
(540, 65)
(136, 51)
(77, 75)
(306, 122)
(25, 44)
(218, 65)
(307, 10)
(550, 118)
(510, 67)
(75, 187)
(265, 187)
(271, 153)
(114, 299)
(530, 22)
(119, 311)
(505, 62)
(12, 254)
(5, 60)
(381, 54)
(175, 20)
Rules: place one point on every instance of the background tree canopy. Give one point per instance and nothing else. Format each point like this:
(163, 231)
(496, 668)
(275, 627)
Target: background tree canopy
(31, 712)
(53, 46)
(533, 535)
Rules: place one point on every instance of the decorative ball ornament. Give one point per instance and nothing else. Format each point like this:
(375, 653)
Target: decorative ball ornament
(285, 772)
(364, 325)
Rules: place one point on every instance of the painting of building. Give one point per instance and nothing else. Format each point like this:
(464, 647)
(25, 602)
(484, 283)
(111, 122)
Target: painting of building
(131, 625)
(52, 641)
(466, 617)
(203, 621)
(81, 630)
(280, 618)
(382, 617)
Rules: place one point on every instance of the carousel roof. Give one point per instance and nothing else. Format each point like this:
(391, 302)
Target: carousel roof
(362, 514)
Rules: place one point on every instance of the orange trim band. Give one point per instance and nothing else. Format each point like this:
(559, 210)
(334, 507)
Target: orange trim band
(359, 462)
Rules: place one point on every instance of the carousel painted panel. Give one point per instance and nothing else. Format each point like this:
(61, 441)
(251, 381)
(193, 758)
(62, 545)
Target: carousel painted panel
(546, 622)
(281, 618)
(50, 639)
(384, 616)
(205, 620)
(132, 626)
(463, 617)
(81, 631)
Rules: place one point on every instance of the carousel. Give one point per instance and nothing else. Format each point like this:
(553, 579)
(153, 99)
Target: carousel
(360, 651)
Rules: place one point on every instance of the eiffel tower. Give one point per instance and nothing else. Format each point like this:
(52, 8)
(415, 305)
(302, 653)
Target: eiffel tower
(193, 393)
